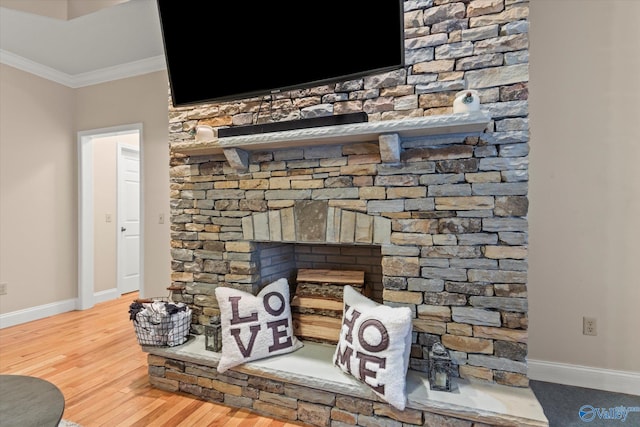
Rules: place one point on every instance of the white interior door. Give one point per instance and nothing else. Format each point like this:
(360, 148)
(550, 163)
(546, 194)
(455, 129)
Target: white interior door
(128, 219)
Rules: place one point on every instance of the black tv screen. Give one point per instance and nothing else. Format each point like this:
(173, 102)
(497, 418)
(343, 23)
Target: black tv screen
(220, 50)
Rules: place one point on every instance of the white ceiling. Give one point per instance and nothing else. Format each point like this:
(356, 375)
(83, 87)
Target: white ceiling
(115, 42)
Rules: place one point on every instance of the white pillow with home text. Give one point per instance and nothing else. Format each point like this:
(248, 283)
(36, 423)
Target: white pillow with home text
(374, 345)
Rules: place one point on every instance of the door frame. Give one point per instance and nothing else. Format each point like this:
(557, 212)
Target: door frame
(121, 148)
(86, 297)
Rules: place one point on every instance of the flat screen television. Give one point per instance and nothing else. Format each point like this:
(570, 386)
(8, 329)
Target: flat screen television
(221, 50)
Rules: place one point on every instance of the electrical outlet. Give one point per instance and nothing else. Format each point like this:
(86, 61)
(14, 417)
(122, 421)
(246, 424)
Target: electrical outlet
(589, 326)
(107, 217)
(161, 218)
(3, 288)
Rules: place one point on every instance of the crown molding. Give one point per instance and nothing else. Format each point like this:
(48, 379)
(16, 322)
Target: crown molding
(33, 67)
(117, 72)
(122, 71)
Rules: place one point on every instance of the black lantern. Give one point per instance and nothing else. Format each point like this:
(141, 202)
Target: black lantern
(213, 335)
(439, 368)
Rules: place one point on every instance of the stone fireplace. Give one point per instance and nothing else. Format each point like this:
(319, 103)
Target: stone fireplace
(418, 204)
(431, 205)
(414, 203)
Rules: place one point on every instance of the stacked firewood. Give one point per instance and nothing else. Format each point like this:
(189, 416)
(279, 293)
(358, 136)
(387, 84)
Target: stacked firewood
(316, 307)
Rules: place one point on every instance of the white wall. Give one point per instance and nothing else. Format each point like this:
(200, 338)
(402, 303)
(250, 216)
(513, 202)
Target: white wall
(142, 99)
(38, 242)
(585, 183)
(38, 184)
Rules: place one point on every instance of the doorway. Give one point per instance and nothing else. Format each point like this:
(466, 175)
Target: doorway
(128, 224)
(110, 213)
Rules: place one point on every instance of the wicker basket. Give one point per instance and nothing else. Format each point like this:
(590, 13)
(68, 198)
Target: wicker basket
(160, 322)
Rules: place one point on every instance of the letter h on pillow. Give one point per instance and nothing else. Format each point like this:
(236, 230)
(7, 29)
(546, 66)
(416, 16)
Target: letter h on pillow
(374, 345)
(255, 327)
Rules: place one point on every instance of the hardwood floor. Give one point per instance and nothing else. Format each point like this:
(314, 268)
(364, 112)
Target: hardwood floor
(93, 357)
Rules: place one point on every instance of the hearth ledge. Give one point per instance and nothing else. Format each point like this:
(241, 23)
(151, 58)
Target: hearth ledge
(311, 366)
(342, 134)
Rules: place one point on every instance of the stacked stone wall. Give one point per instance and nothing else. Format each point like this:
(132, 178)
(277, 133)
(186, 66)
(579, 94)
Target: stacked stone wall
(289, 402)
(457, 251)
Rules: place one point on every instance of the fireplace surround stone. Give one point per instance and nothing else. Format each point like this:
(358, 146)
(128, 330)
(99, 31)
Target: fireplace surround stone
(452, 241)
(432, 205)
(305, 387)
(451, 233)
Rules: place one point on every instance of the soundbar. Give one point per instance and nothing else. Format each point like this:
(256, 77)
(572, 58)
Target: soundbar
(340, 119)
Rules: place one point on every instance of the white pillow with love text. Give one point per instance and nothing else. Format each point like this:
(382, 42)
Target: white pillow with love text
(255, 327)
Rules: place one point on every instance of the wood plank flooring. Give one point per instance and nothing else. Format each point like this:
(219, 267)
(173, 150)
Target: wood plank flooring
(93, 357)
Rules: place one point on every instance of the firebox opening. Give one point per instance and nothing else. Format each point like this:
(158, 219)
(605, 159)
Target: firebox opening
(279, 260)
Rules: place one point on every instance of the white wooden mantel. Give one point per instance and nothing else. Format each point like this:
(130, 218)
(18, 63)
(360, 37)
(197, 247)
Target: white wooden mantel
(389, 134)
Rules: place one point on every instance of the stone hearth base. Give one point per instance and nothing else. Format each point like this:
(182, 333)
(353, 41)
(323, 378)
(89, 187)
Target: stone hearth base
(304, 386)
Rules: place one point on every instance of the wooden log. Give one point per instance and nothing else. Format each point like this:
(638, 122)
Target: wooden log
(317, 303)
(315, 311)
(324, 291)
(334, 277)
(319, 328)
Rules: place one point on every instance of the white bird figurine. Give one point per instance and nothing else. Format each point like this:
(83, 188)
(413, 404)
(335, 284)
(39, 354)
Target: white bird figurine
(466, 101)
(204, 133)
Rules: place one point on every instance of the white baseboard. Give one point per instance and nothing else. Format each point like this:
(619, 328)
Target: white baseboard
(585, 376)
(35, 313)
(107, 295)
(40, 312)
